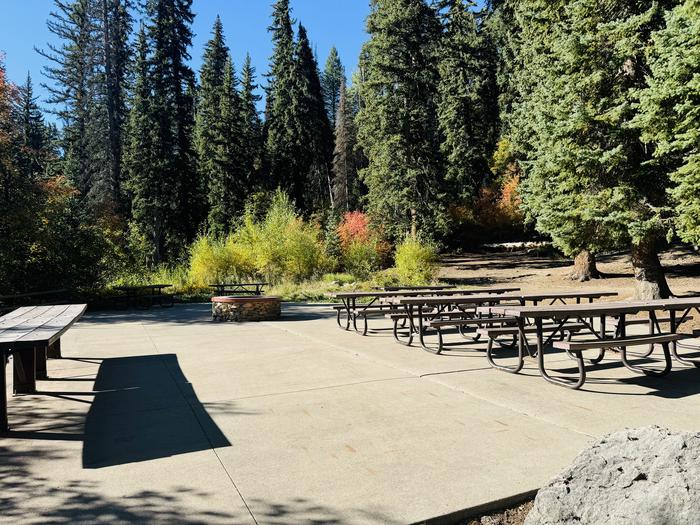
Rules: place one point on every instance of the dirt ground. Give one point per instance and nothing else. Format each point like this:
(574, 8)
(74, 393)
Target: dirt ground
(512, 516)
(536, 273)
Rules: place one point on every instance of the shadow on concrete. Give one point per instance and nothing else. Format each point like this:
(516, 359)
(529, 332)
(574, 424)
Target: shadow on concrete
(145, 409)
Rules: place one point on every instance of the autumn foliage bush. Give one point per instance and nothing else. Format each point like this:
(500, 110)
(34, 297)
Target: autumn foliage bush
(363, 249)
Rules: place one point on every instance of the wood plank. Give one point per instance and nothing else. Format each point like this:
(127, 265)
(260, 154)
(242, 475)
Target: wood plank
(44, 326)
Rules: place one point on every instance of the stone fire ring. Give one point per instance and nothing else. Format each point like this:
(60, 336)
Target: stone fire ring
(245, 308)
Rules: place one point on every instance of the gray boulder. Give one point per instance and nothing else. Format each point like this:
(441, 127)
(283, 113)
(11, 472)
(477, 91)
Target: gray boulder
(641, 476)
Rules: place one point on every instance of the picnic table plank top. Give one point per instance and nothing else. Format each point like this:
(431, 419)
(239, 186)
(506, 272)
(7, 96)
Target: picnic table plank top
(409, 287)
(581, 310)
(38, 324)
(237, 284)
(34, 294)
(426, 292)
(142, 287)
(480, 299)
(595, 309)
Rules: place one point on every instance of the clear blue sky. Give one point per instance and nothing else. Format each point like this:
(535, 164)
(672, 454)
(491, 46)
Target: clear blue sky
(328, 22)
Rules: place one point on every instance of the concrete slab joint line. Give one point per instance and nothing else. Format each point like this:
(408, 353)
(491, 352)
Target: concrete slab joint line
(429, 376)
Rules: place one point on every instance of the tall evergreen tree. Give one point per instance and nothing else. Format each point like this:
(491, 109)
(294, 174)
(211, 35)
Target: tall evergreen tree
(345, 184)
(210, 127)
(463, 109)
(333, 76)
(397, 124)
(115, 29)
(588, 181)
(316, 139)
(282, 126)
(151, 195)
(73, 74)
(227, 181)
(172, 83)
(669, 111)
(88, 73)
(33, 138)
(251, 144)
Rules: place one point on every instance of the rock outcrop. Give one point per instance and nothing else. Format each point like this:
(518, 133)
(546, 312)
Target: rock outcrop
(642, 476)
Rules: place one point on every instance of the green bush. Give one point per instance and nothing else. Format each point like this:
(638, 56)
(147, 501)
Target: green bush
(219, 260)
(360, 258)
(416, 261)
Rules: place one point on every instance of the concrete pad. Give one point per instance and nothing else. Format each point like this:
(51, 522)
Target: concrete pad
(163, 416)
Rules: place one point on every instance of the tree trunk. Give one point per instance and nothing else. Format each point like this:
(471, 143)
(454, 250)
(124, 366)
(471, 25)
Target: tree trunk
(650, 281)
(414, 228)
(584, 267)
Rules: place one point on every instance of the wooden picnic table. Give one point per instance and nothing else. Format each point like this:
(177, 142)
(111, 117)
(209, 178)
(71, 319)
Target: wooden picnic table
(352, 309)
(414, 287)
(238, 288)
(8, 301)
(146, 295)
(584, 314)
(414, 309)
(29, 334)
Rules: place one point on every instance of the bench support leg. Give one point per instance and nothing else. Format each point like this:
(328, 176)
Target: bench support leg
(574, 383)
(54, 350)
(4, 426)
(41, 354)
(24, 380)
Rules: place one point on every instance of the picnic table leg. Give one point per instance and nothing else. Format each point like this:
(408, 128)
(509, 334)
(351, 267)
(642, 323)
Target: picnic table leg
(421, 330)
(54, 350)
(409, 314)
(674, 345)
(24, 380)
(41, 371)
(568, 383)
(4, 427)
(642, 369)
(521, 348)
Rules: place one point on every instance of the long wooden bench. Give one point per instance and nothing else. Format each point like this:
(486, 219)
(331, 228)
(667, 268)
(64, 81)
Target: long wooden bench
(622, 343)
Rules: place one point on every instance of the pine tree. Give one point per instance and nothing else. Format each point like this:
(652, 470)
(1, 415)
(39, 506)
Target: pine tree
(316, 138)
(588, 183)
(227, 183)
(465, 123)
(333, 76)
(251, 144)
(115, 28)
(88, 73)
(73, 74)
(397, 124)
(33, 139)
(670, 111)
(282, 126)
(151, 195)
(172, 83)
(345, 184)
(210, 127)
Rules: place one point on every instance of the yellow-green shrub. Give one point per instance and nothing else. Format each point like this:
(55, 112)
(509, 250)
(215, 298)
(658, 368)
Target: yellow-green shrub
(282, 244)
(217, 260)
(360, 258)
(416, 261)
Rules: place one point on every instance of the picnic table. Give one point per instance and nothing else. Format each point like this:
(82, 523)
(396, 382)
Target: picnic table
(458, 311)
(29, 334)
(601, 340)
(42, 296)
(414, 287)
(238, 288)
(373, 301)
(146, 295)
